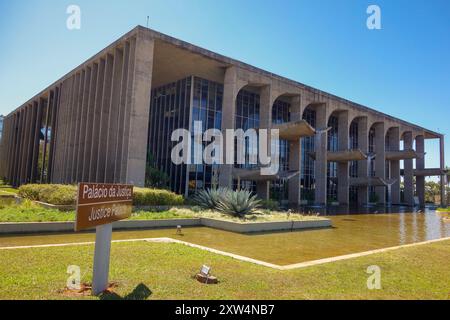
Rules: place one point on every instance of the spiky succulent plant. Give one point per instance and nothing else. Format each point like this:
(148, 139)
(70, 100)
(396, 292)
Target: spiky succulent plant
(209, 198)
(238, 203)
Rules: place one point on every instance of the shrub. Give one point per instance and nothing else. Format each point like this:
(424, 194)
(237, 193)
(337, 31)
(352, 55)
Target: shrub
(270, 205)
(156, 197)
(50, 193)
(374, 198)
(209, 199)
(238, 203)
(66, 195)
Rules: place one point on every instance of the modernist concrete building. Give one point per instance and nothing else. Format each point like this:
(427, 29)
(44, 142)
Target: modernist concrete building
(1, 126)
(114, 114)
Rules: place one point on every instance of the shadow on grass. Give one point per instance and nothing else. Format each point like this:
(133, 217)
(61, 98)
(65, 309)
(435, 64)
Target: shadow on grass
(141, 292)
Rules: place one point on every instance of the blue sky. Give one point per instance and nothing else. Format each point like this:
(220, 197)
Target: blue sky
(403, 69)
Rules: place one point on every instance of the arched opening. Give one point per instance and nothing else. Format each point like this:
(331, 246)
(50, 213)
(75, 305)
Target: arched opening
(392, 166)
(353, 165)
(308, 166)
(247, 116)
(407, 186)
(281, 113)
(332, 145)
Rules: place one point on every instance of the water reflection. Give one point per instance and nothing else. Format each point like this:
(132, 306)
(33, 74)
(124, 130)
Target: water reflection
(351, 233)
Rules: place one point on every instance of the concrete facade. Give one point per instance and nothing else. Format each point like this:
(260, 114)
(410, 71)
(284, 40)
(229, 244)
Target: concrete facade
(93, 126)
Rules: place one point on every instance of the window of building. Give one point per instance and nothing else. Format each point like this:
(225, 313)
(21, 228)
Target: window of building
(353, 172)
(307, 177)
(247, 117)
(281, 114)
(333, 123)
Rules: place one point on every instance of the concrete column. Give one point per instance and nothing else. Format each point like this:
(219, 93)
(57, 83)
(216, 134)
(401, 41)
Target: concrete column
(395, 165)
(24, 144)
(96, 122)
(265, 122)
(443, 178)
(140, 111)
(30, 168)
(420, 164)
(363, 166)
(54, 133)
(118, 176)
(72, 122)
(35, 172)
(3, 145)
(17, 149)
(127, 114)
(343, 167)
(88, 128)
(104, 116)
(409, 171)
(46, 118)
(3, 140)
(82, 132)
(320, 166)
(81, 126)
(295, 156)
(68, 88)
(230, 92)
(13, 146)
(113, 126)
(380, 159)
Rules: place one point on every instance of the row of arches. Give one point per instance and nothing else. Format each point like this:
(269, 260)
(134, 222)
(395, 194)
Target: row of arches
(361, 132)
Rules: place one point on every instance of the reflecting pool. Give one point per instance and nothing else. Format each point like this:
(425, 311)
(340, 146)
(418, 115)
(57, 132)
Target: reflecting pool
(350, 234)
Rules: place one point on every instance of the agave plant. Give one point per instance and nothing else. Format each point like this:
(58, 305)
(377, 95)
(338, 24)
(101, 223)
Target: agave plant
(238, 203)
(209, 199)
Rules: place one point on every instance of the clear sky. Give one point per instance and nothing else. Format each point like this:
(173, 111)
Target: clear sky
(402, 69)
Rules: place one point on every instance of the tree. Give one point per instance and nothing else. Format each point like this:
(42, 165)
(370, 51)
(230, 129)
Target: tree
(155, 178)
(432, 190)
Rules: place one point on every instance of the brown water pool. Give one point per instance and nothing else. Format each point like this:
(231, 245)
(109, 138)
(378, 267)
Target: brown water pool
(350, 234)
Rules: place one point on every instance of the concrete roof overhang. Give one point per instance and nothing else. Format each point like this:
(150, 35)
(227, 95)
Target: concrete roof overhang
(343, 156)
(371, 181)
(172, 63)
(403, 155)
(255, 175)
(430, 172)
(428, 134)
(172, 66)
(294, 130)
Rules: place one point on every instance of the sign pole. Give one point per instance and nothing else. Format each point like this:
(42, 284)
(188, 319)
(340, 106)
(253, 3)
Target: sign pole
(103, 237)
(99, 205)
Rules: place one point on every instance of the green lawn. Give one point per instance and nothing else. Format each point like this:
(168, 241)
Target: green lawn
(30, 212)
(8, 191)
(419, 272)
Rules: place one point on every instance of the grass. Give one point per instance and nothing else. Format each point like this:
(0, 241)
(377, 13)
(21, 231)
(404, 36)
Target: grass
(27, 211)
(419, 272)
(8, 191)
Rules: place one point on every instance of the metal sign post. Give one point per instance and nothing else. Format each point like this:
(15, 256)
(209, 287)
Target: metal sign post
(98, 205)
(103, 237)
